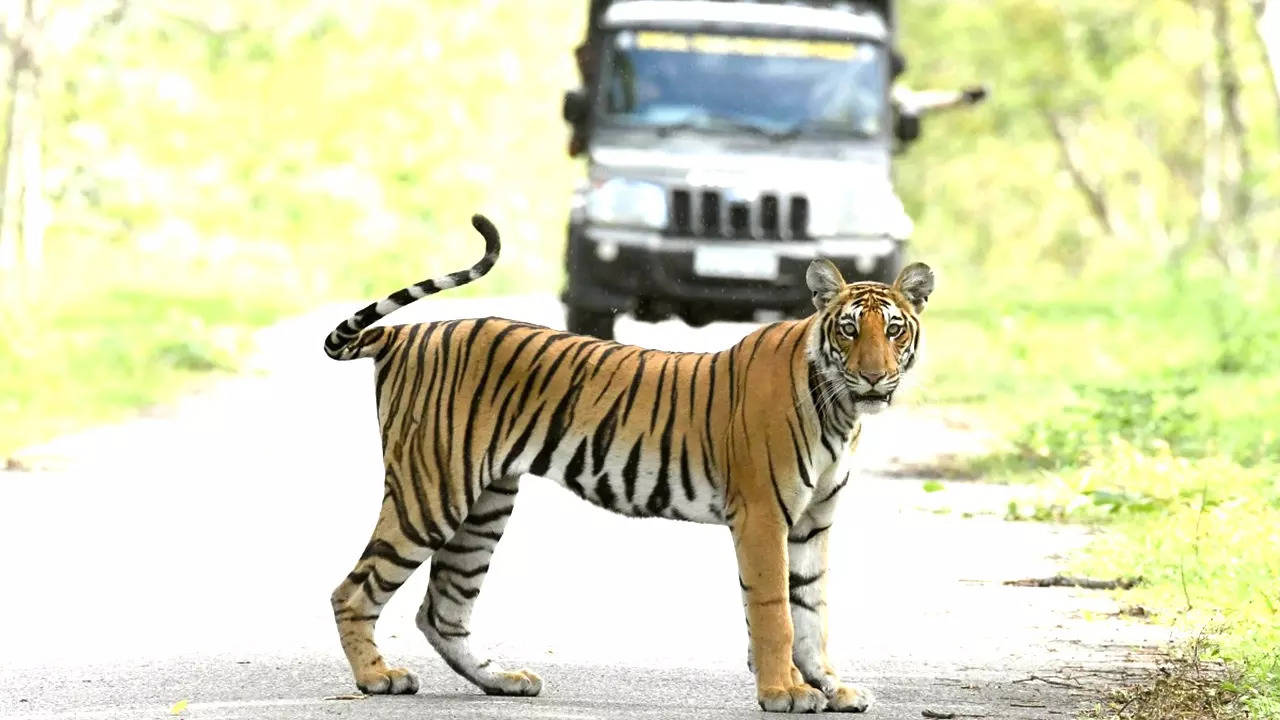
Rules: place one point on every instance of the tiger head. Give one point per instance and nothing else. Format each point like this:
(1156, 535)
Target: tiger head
(868, 333)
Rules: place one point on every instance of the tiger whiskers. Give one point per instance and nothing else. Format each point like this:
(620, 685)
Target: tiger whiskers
(829, 389)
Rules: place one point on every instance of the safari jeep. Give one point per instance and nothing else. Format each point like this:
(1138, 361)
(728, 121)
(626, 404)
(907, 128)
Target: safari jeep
(730, 143)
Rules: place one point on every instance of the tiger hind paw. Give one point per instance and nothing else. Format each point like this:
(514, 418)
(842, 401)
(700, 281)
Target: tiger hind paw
(389, 681)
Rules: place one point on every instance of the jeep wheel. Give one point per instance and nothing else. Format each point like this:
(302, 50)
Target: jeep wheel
(597, 323)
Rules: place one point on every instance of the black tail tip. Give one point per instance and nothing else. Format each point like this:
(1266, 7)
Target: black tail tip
(484, 227)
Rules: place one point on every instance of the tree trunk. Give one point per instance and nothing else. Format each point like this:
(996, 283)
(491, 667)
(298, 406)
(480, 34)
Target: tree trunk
(21, 194)
(1092, 191)
(1267, 29)
(1237, 164)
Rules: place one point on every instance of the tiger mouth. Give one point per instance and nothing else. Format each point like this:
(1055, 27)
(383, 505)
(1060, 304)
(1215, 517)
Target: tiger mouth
(874, 397)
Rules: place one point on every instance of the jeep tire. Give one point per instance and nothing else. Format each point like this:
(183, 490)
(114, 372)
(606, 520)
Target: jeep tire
(584, 321)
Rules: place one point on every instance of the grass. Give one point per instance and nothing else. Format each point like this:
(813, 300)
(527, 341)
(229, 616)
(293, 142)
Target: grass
(1148, 406)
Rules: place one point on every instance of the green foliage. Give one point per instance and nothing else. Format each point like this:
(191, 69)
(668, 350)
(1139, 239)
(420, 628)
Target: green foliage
(1206, 546)
(1147, 418)
(1147, 405)
(216, 166)
(988, 186)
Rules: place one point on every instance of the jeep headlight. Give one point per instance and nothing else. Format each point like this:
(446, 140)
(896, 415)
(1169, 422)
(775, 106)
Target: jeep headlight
(827, 214)
(619, 201)
(836, 213)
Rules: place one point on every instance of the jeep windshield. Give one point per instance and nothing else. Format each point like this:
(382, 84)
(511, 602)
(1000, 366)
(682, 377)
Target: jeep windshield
(778, 87)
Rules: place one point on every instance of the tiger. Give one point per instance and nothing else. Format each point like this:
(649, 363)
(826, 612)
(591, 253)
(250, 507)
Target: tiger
(755, 437)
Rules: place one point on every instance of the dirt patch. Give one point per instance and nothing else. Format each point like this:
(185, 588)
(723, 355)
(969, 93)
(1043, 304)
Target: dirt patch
(1185, 688)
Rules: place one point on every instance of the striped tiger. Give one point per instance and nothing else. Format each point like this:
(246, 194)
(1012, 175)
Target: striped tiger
(754, 437)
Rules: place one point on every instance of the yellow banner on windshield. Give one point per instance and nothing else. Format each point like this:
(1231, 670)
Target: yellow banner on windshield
(741, 45)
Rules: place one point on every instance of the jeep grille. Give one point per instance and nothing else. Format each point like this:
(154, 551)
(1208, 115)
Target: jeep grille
(700, 212)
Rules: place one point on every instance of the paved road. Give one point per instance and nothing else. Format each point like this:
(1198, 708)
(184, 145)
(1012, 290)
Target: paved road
(189, 555)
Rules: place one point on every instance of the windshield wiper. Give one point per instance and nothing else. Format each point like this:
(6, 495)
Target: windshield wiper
(794, 131)
(708, 120)
(667, 129)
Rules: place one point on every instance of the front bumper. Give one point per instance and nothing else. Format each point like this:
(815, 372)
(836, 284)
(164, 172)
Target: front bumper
(649, 274)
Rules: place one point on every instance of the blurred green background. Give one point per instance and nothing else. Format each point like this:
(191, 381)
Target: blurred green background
(1106, 230)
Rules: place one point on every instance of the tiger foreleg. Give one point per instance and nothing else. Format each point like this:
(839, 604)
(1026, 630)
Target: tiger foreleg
(807, 584)
(457, 571)
(760, 540)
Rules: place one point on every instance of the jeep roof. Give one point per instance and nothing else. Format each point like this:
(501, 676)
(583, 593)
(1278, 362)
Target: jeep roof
(747, 18)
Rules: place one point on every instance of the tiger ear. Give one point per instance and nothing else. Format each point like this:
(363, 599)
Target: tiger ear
(824, 281)
(916, 283)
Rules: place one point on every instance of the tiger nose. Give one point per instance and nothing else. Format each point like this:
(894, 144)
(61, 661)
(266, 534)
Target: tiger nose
(872, 377)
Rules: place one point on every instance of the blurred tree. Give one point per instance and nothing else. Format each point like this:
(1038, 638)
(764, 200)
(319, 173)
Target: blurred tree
(1158, 120)
(21, 199)
(1267, 29)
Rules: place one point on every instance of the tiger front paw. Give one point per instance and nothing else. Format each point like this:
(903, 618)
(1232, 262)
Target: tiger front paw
(848, 698)
(388, 681)
(521, 683)
(794, 699)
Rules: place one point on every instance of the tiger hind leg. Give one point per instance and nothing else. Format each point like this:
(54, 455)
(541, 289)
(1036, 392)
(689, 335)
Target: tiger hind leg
(457, 571)
(386, 563)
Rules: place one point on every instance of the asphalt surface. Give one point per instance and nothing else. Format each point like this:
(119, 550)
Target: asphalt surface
(188, 555)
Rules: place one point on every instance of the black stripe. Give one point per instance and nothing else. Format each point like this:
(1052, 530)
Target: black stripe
(521, 441)
(711, 400)
(436, 402)
(506, 368)
(809, 535)
(473, 400)
(402, 517)
(629, 472)
(777, 493)
(556, 428)
(801, 465)
(603, 436)
(604, 356)
(401, 375)
(468, 593)
(635, 384)
(660, 498)
(686, 481)
(657, 393)
(733, 383)
(386, 551)
(604, 493)
(797, 602)
(438, 567)
(385, 585)
(796, 581)
(706, 462)
(574, 469)
(835, 489)
(455, 549)
(476, 519)
(551, 371)
(693, 385)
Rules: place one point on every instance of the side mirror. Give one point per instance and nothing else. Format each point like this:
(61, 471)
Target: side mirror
(975, 94)
(575, 108)
(907, 127)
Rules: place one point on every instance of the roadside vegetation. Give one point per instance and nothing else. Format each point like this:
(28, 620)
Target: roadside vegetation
(1153, 416)
(1107, 301)
(212, 167)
